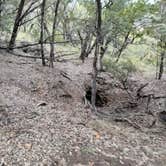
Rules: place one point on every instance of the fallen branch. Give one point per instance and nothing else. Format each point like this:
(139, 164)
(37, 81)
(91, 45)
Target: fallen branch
(159, 97)
(133, 124)
(140, 89)
(152, 96)
(65, 75)
(26, 56)
(34, 44)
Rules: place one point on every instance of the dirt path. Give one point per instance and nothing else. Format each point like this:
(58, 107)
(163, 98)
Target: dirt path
(43, 121)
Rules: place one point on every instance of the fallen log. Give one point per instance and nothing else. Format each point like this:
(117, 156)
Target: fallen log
(34, 44)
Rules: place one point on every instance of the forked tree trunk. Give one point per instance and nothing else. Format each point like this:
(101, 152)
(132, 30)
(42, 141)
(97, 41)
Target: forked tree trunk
(53, 35)
(42, 32)
(16, 25)
(86, 45)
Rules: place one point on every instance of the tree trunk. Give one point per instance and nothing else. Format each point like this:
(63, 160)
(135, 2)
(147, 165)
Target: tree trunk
(97, 50)
(42, 32)
(102, 52)
(161, 68)
(84, 45)
(53, 34)
(91, 46)
(1, 2)
(163, 41)
(16, 25)
(64, 31)
(124, 45)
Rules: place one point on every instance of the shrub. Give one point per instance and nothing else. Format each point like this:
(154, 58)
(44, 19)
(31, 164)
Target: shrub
(120, 70)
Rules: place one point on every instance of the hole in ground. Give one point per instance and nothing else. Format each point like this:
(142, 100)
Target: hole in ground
(101, 100)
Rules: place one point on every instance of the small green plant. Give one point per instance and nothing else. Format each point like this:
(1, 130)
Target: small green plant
(88, 150)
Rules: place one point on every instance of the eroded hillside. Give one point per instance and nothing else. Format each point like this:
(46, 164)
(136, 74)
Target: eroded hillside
(45, 117)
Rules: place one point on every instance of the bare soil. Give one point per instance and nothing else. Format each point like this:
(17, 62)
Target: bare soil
(45, 117)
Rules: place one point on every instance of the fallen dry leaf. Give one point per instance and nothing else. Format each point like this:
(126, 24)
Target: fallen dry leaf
(28, 146)
(97, 135)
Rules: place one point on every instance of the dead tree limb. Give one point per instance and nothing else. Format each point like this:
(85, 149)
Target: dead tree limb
(140, 89)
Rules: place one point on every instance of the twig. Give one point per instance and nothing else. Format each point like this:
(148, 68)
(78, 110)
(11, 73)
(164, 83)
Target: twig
(65, 75)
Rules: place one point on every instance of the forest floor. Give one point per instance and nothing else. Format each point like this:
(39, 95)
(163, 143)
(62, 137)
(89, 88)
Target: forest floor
(45, 118)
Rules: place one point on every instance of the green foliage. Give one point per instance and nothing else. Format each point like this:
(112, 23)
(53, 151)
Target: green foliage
(120, 70)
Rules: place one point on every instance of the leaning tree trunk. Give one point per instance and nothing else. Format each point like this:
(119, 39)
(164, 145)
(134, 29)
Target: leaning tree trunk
(16, 25)
(124, 45)
(53, 34)
(42, 32)
(97, 50)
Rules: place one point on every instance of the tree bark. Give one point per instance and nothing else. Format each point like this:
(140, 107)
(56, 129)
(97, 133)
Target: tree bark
(162, 41)
(53, 34)
(19, 18)
(97, 50)
(161, 68)
(42, 32)
(1, 2)
(87, 45)
(124, 45)
(16, 25)
(84, 45)
(102, 53)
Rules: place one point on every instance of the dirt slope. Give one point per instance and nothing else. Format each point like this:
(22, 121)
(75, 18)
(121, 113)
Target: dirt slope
(44, 121)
